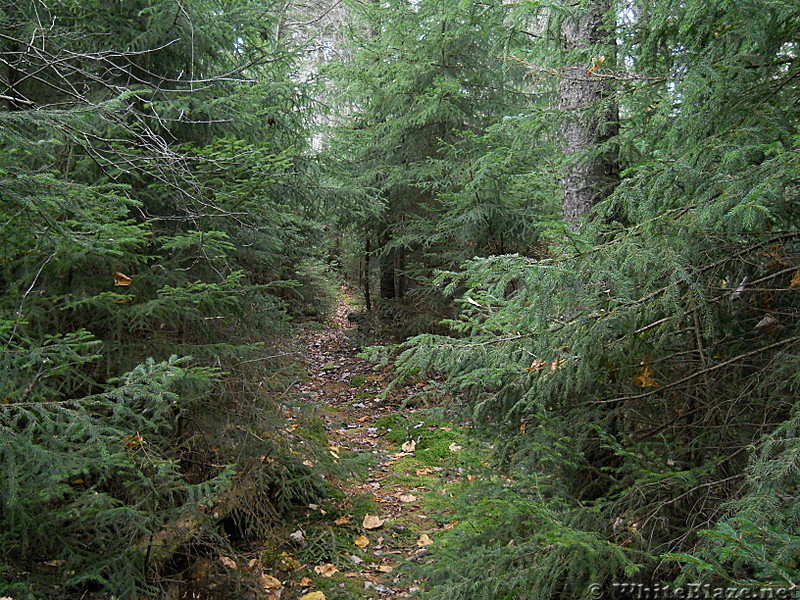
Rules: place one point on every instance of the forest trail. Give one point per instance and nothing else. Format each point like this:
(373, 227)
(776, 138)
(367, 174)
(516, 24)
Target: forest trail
(380, 513)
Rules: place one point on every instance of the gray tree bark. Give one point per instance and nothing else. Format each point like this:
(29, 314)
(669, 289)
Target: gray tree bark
(586, 181)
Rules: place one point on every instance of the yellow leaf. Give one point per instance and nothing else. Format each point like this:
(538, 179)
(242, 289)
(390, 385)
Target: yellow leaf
(314, 596)
(325, 570)
(306, 582)
(342, 521)
(132, 441)
(269, 582)
(424, 540)
(120, 279)
(645, 378)
(289, 562)
(384, 568)
(409, 446)
(372, 522)
(362, 541)
(537, 364)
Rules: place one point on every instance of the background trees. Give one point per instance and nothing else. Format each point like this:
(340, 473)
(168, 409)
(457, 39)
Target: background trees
(432, 111)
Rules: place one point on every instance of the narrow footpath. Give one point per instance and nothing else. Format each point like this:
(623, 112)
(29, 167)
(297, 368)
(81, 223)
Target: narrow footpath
(354, 547)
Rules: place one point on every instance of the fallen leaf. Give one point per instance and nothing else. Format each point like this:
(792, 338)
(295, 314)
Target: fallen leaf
(408, 498)
(314, 596)
(308, 463)
(424, 471)
(795, 280)
(455, 447)
(424, 540)
(362, 541)
(372, 522)
(342, 521)
(228, 562)
(298, 536)
(645, 378)
(409, 446)
(120, 279)
(326, 570)
(269, 582)
(537, 364)
(133, 441)
(384, 568)
(306, 582)
(289, 562)
(446, 428)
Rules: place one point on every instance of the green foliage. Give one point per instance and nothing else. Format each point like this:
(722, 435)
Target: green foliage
(87, 484)
(156, 199)
(627, 365)
(519, 540)
(436, 142)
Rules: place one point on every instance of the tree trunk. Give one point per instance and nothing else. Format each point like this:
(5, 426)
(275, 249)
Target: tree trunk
(586, 181)
(387, 269)
(366, 274)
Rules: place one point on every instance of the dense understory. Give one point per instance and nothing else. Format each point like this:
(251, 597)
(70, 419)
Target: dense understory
(579, 220)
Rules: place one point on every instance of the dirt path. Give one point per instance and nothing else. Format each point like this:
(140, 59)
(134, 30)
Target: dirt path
(379, 519)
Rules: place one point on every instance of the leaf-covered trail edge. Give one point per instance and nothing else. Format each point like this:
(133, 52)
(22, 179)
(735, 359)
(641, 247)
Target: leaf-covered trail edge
(378, 516)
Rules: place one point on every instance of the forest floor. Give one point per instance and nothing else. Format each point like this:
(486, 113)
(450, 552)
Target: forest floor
(395, 466)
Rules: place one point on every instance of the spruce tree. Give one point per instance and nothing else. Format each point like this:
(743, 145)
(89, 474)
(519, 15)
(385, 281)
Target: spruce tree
(424, 100)
(156, 199)
(628, 367)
